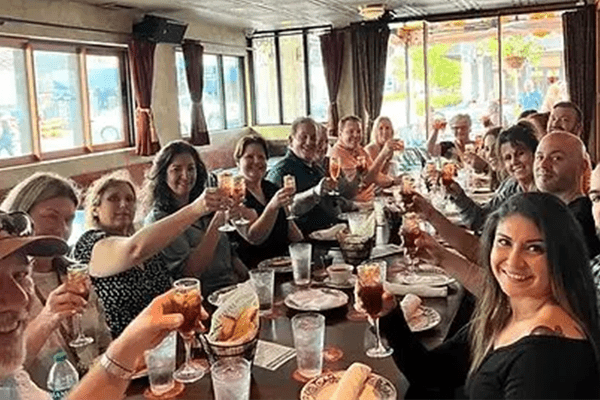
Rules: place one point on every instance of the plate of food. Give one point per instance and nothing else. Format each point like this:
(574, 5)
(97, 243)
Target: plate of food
(316, 299)
(349, 284)
(419, 317)
(356, 383)
(217, 297)
(424, 274)
(277, 264)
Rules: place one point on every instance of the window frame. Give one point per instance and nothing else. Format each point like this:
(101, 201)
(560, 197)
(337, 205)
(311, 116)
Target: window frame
(28, 46)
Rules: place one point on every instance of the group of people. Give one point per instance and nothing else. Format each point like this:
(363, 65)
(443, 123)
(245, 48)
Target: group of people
(529, 256)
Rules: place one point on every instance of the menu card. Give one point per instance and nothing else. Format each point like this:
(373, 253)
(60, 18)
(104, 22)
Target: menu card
(271, 355)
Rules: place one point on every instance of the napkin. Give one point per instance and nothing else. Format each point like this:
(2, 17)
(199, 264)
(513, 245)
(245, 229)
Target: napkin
(329, 233)
(420, 290)
(351, 385)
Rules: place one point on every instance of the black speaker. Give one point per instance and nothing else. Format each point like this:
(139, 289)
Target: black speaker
(159, 30)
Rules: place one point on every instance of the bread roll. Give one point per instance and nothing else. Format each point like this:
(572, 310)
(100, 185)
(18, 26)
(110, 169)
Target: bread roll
(410, 305)
(352, 383)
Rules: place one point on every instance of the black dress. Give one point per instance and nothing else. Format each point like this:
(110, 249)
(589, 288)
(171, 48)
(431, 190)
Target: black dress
(127, 293)
(533, 367)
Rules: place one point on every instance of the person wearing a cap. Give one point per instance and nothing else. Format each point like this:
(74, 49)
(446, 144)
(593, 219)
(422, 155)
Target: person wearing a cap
(51, 200)
(109, 378)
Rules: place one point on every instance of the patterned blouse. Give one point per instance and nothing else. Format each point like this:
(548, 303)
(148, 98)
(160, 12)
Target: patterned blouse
(127, 293)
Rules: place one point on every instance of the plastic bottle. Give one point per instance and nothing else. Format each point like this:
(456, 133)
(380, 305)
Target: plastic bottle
(62, 377)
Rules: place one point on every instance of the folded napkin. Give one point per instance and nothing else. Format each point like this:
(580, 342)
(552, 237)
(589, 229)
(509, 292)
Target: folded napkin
(329, 233)
(419, 290)
(352, 382)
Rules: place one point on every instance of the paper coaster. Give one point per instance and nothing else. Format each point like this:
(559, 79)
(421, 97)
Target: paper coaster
(332, 354)
(176, 391)
(298, 377)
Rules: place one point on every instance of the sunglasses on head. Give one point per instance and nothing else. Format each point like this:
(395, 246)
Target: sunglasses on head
(16, 223)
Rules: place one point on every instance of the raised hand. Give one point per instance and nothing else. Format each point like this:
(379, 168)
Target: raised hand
(62, 304)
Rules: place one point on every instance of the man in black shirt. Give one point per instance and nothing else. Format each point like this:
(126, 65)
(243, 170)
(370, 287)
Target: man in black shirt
(558, 169)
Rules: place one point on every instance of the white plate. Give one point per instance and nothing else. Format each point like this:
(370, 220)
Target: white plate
(316, 299)
(217, 297)
(349, 284)
(427, 320)
(322, 387)
(277, 264)
(428, 275)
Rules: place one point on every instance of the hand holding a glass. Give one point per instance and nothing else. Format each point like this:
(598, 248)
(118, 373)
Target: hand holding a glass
(60, 304)
(289, 185)
(78, 283)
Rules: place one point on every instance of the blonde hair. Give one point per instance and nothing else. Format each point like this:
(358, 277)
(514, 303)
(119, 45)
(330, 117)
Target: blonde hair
(39, 187)
(376, 124)
(94, 194)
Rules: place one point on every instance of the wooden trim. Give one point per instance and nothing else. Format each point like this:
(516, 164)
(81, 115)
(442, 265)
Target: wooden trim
(14, 161)
(36, 146)
(85, 100)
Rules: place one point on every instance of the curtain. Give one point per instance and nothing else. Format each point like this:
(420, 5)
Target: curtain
(194, 71)
(579, 29)
(332, 52)
(370, 44)
(141, 56)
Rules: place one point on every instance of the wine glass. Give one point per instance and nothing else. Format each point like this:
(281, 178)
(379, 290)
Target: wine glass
(186, 301)
(334, 169)
(410, 232)
(289, 182)
(225, 183)
(371, 277)
(78, 282)
(239, 192)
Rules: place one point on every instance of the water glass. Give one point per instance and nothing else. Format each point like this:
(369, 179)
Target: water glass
(300, 254)
(161, 365)
(309, 335)
(231, 379)
(264, 284)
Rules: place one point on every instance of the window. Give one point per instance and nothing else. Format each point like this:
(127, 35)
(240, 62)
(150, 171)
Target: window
(466, 75)
(289, 81)
(223, 97)
(77, 94)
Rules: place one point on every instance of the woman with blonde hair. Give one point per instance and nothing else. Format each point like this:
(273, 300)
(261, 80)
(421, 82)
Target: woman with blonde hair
(382, 132)
(535, 330)
(125, 265)
(51, 201)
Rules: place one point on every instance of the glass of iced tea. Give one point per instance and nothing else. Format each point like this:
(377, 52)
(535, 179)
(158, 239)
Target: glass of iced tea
(410, 232)
(448, 173)
(407, 191)
(289, 182)
(78, 282)
(371, 277)
(187, 301)
(225, 183)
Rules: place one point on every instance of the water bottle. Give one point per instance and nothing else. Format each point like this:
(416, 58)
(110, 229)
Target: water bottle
(63, 376)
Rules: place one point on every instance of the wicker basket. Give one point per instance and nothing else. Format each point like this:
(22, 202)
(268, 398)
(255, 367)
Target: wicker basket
(219, 351)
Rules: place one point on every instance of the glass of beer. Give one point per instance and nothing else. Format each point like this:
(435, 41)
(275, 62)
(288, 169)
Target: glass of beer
(239, 193)
(333, 168)
(78, 282)
(371, 277)
(448, 173)
(225, 183)
(410, 232)
(187, 301)
(289, 182)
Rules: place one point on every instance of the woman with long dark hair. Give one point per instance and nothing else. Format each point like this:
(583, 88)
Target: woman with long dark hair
(535, 330)
(177, 177)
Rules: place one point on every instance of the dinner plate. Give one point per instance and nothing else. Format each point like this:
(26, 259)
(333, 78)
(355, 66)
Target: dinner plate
(217, 297)
(316, 299)
(277, 264)
(323, 386)
(427, 320)
(349, 284)
(428, 275)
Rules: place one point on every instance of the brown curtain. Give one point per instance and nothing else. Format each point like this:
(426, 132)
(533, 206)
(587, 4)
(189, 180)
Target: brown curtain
(579, 29)
(194, 71)
(332, 52)
(141, 56)
(370, 44)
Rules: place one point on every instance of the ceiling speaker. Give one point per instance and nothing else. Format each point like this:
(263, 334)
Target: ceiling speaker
(160, 30)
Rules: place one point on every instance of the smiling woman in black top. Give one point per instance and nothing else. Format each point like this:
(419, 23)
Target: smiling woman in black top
(535, 330)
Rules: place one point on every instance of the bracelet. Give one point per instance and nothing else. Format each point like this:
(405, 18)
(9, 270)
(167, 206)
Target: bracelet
(114, 368)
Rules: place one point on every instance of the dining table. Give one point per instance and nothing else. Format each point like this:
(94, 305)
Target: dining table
(341, 332)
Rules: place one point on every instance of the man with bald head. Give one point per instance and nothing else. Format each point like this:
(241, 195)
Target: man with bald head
(560, 160)
(566, 116)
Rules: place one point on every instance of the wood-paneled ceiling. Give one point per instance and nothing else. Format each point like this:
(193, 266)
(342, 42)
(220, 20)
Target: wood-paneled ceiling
(281, 14)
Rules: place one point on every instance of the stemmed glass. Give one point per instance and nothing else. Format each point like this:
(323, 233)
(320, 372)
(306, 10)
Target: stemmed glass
(371, 277)
(410, 232)
(289, 182)
(239, 192)
(225, 183)
(187, 301)
(335, 168)
(78, 282)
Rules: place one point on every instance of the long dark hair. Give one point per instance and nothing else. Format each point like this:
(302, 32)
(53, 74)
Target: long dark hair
(568, 268)
(156, 190)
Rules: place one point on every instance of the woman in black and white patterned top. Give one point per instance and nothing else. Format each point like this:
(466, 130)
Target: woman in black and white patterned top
(126, 267)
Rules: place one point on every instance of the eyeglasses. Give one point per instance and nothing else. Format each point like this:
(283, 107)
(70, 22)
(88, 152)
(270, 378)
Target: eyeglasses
(16, 223)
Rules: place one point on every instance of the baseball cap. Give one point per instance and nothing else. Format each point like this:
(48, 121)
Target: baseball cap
(16, 229)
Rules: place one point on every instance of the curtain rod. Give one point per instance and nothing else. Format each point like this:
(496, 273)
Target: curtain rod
(4, 20)
(256, 34)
